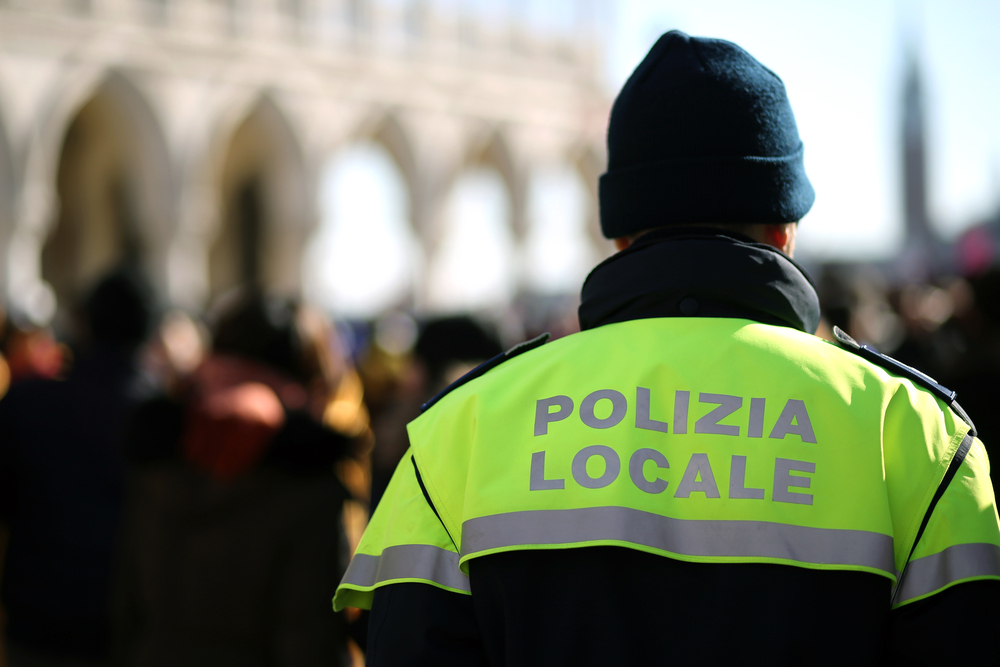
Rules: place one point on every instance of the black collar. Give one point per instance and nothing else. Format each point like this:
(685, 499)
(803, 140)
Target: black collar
(701, 272)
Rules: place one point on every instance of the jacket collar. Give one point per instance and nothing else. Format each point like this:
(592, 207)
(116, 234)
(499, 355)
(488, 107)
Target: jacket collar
(700, 272)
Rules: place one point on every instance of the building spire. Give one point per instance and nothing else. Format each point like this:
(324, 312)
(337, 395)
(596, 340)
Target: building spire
(918, 228)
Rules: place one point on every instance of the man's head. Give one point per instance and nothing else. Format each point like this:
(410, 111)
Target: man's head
(120, 309)
(703, 134)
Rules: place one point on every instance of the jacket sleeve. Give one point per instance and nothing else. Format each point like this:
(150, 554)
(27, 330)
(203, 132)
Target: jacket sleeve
(406, 571)
(405, 542)
(947, 606)
(961, 542)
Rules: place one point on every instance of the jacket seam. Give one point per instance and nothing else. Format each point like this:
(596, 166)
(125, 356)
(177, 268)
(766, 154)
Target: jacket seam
(929, 504)
(427, 497)
(443, 510)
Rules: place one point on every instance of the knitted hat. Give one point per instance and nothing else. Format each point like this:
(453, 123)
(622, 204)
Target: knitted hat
(701, 133)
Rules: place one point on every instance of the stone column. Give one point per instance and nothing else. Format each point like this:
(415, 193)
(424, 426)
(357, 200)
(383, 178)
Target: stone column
(34, 213)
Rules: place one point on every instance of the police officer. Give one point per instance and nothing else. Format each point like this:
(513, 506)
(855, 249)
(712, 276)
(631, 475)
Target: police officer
(693, 478)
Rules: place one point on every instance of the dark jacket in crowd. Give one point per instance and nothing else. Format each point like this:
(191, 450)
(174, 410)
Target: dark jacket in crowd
(61, 481)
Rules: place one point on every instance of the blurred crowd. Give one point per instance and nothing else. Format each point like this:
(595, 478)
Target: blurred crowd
(177, 489)
(188, 490)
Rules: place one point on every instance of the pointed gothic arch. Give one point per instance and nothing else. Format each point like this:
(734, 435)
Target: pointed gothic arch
(262, 225)
(493, 152)
(365, 256)
(367, 251)
(113, 189)
(480, 227)
(387, 131)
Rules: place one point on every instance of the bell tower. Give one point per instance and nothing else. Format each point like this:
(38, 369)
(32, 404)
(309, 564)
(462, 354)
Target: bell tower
(918, 228)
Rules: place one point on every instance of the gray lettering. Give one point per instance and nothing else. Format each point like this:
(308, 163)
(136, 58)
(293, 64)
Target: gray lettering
(635, 470)
(619, 406)
(681, 401)
(538, 481)
(543, 417)
(783, 479)
(755, 429)
(710, 422)
(642, 419)
(738, 480)
(612, 466)
(794, 410)
(698, 466)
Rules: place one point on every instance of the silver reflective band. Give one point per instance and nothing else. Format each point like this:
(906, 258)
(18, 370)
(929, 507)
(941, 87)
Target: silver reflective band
(725, 539)
(407, 561)
(962, 561)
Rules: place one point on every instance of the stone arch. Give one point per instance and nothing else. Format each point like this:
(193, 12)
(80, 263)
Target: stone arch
(386, 130)
(263, 223)
(493, 151)
(366, 254)
(113, 187)
(559, 248)
(473, 268)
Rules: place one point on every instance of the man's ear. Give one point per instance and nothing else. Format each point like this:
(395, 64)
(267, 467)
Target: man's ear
(781, 236)
(776, 235)
(622, 242)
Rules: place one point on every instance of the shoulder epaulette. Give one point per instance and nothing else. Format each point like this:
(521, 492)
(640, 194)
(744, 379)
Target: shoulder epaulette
(487, 366)
(899, 368)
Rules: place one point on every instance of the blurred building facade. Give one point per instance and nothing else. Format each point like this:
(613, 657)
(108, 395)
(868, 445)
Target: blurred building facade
(189, 136)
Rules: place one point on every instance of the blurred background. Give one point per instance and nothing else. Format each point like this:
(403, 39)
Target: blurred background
(419, 178)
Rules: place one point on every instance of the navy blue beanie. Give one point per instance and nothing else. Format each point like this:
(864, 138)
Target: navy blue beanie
(701, 133)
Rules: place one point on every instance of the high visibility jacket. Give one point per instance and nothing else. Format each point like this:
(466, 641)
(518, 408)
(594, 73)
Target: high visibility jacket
(771, 446)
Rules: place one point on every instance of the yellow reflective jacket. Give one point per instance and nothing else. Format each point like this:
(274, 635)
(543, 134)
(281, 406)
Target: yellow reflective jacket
(770, 446)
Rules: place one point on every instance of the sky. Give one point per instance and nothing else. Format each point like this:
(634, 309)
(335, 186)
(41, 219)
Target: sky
(842, 63)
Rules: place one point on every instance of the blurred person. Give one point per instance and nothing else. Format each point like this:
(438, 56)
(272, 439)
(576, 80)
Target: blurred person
(61, 483)
(33, 352)
(976, 376)
(695, 478)
(446, 348)
(233, 539)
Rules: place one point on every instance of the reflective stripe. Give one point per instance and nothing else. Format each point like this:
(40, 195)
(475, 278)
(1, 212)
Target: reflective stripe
(962, 561)
(407, 561)
(684, 537)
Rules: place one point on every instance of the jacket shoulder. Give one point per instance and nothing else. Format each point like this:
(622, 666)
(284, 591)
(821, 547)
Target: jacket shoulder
(893, 366)
(486, 367)
(899, 368)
